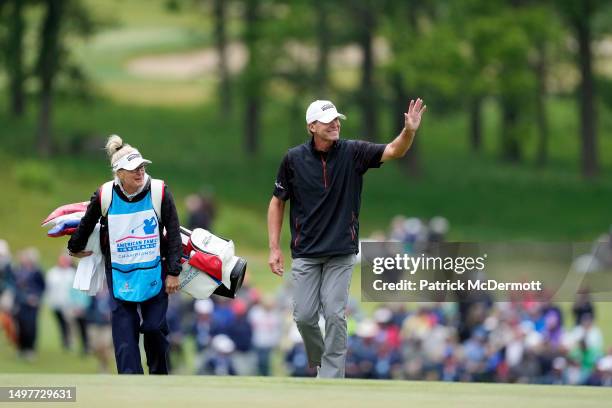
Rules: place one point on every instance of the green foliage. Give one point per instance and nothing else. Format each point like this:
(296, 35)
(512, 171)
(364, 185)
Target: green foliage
(604, 90)
(443, 51)
(35, 175)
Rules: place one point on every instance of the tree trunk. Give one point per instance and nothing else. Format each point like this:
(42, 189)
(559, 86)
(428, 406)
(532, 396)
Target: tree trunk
(224, 89)
(3, 22)
(410, 161)
(589, 164)
(14, 58)
(367, 95)
(47, 69)
(542, 117)
(476, 123)
(323, 41)
(511, 149)
(252, 125)
(253, 78)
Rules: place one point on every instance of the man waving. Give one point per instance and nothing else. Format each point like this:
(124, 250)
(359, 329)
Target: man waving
(322, 179)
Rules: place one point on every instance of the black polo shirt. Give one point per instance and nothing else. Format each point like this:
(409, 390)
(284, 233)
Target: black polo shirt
(324, 191)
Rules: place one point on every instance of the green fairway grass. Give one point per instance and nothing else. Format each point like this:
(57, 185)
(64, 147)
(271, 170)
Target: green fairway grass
(189, 391)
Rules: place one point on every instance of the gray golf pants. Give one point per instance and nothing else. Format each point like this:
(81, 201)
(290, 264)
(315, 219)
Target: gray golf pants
(323, 284)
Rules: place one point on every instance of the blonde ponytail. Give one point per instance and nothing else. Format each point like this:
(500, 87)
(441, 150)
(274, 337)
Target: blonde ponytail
(116, 149)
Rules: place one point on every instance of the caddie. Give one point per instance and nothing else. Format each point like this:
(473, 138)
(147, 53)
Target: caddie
(141, 265)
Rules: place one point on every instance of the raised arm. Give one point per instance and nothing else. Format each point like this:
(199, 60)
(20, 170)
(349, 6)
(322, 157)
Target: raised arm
(412, 120)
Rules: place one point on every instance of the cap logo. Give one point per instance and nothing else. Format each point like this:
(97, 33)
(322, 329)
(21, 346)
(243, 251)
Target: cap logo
(327, 106)
(133, 156)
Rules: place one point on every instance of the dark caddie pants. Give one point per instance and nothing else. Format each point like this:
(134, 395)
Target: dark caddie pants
(322, 285)
(127, 326)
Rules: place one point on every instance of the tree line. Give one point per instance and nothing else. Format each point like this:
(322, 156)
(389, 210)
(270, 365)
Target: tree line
(51, 57)
(455, 54)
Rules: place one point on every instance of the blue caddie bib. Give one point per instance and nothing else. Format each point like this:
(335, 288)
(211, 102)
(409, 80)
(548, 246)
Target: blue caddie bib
(134, 240)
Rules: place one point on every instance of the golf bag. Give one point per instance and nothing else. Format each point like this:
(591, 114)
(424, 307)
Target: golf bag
(210, 265)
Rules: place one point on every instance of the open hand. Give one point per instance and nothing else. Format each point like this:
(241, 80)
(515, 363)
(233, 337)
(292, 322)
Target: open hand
(172, 284)
(276, 263)
(412, 118)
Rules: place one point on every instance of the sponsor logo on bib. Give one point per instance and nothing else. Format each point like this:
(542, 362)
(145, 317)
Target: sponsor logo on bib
(137, 240)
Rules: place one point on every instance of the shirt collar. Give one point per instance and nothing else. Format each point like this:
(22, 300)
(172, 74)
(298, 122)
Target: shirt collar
(140, 190)
(315, 151)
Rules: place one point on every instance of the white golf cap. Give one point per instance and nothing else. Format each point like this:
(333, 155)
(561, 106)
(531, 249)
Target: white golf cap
(130, 161)
(221, 343)
(204, 306)
(322, 111)
(367, 329)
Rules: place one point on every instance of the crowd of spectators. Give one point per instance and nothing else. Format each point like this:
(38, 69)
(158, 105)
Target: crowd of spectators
(524, 341)
(24, 289)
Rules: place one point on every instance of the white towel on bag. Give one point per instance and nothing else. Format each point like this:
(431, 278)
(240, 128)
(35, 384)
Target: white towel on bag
(90, 271)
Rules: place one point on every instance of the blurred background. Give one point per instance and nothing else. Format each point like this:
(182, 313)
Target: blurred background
(515, 145)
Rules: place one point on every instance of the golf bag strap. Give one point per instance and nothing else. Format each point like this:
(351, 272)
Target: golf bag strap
(106, 196)
(157, 195)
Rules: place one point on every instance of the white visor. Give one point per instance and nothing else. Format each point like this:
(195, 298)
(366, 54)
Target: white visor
(130, 161)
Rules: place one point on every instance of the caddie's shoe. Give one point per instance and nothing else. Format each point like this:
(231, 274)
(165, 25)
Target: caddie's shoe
(236, 279)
